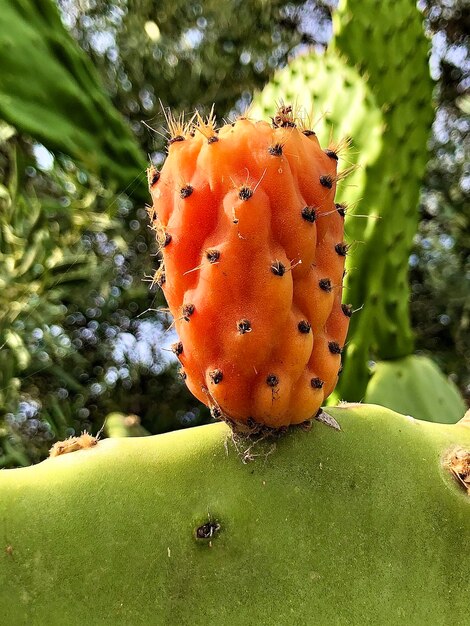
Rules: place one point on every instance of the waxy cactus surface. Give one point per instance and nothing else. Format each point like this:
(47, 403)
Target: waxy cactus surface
(367, 526)
(253, 259)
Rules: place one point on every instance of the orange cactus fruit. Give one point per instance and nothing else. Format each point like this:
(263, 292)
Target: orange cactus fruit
(253, 261)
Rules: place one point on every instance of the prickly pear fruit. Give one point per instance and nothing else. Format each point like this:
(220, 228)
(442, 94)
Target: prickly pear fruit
(253, 260)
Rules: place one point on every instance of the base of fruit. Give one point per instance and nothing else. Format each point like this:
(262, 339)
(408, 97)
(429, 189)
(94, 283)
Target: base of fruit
(253, 429)
(246, 438)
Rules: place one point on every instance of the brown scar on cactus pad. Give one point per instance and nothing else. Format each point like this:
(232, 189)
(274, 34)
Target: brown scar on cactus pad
(208, 530)
(457, 461)
(257, 248)
(72, 444)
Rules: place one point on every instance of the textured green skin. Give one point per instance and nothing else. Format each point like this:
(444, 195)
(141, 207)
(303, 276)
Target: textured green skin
(362, 526)
(50, 90)
(387, 62)
(396, 62)
(415, 386)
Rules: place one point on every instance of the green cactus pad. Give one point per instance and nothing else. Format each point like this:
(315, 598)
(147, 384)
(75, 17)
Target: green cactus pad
(337, 102)
(415, 386)
(367, 525)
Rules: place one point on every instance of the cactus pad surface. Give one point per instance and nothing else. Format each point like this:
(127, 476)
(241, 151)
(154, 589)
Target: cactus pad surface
(415, 386)
(369, 525)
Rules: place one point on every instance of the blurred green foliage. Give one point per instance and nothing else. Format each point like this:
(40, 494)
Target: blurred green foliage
(188, 54)
(45, 267)
(50, 90)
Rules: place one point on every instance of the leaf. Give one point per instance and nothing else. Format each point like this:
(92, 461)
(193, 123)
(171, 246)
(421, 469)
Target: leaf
(50, 90)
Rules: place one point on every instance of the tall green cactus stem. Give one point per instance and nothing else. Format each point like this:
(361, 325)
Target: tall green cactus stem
(375, 78)
(175, 529)
(396, 63)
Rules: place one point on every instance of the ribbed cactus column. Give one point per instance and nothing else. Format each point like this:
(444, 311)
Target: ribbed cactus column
(392, 52)
(373, 85)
